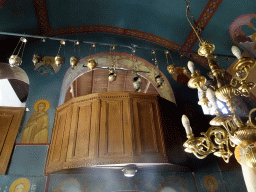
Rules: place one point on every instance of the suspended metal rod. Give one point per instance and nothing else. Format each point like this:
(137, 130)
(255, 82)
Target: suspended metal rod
(133, 46)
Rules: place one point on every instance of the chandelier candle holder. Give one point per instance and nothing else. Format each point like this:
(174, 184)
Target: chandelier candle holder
(59, 60)
(15, 60)
(226, 130)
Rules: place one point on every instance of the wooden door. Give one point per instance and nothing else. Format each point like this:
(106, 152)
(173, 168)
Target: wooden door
(10, 119)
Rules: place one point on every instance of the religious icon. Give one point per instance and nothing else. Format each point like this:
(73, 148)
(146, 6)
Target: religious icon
(47, 66)
(36, 130)
(211, 183)
(20, 185)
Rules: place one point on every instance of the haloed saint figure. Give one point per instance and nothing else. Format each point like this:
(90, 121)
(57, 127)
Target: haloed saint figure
(36, 130)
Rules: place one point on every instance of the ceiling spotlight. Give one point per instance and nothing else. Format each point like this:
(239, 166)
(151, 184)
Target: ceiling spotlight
(130, 170)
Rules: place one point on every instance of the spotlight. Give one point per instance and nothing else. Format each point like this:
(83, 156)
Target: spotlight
(130, 170)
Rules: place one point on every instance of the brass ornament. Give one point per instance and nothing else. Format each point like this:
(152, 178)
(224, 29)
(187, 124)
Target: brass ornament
(59, 60)
(244, 64)
(137, 83)
(91, 64)
(196, 82)
(15, 61)
(206, 48)
(159, 80)
(112, 75)
(73, 61)
(171, 69)
(36, 59)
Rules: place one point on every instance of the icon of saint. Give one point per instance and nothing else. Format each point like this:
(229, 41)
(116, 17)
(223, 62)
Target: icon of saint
(36, 130)
(20, 185)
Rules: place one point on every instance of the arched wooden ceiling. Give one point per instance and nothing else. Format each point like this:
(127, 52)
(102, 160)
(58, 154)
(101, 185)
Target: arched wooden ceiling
(96, 81)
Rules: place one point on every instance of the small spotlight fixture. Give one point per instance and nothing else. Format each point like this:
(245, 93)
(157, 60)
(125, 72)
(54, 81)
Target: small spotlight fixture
(130, 170)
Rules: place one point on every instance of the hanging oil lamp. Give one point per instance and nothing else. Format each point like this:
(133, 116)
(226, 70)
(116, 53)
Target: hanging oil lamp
(59, 60)
(36, 57)
(74, 60)
(15, 60)
(112, 70)
(137, 82)
(91, 63)
(111, 74)
(158, 77)
(136, 78)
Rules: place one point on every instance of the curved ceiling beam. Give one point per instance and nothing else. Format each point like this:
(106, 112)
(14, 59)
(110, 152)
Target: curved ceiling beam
(44, 25)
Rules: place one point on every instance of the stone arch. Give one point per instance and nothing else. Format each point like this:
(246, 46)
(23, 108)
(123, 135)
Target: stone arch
(124, 60)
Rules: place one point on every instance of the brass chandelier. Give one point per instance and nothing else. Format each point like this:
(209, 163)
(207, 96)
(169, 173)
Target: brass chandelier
(226, 129)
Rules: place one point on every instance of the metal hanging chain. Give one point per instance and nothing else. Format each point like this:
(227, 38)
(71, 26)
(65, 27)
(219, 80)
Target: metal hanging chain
(112, 53)
(188, 3)
(134, 61)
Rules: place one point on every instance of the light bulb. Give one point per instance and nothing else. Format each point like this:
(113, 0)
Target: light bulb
(191, 66)
(210, 94)
(186, 124)
(236, 51)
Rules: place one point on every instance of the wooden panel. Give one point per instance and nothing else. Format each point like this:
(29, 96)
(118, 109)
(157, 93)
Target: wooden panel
(84, 84)
(100, 81)
(10, 119)
(118, 84)
(4, 128)
(147, 126)
(111, 130)
(84, 131)
(115, 128)
(59, 142)
(106, 128)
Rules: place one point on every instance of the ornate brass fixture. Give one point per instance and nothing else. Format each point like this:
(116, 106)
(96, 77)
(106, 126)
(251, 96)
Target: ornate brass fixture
(226, 129)
(15, 59)
(112, 69)
(136, 78)
(36, 58)
(59, 60)
(158, 77)
(91, 64)
(73, 59)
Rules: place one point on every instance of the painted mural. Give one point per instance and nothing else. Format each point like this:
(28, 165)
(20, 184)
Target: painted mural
(243, 32)
(22, 184)
(36, 130)
(47, 66)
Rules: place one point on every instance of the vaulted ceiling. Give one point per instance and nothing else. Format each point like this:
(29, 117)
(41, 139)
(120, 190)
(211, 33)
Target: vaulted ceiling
(160, 21)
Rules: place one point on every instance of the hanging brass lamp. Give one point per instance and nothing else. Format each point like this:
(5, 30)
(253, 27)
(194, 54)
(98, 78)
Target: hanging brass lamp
(112, 74)
(59, 60)
(158, 77)
(15, 60)
(91, 63)
(137, 82)
(73, 59)
(36, 58)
